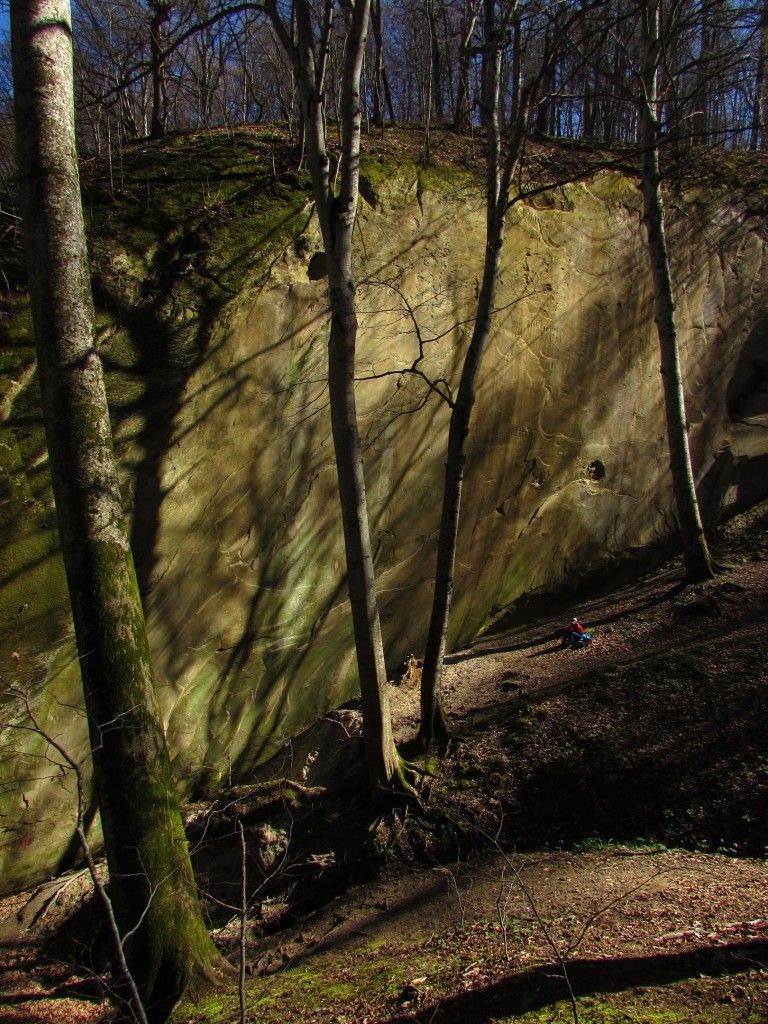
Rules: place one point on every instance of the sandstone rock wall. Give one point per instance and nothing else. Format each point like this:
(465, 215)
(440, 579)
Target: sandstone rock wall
(236, 521)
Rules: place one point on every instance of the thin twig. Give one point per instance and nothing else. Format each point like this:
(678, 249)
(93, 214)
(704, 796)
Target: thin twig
(243, 918)
(560, 957)
(137, 1007)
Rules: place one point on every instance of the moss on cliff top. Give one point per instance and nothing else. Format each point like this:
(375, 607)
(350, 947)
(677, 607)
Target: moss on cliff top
(181, 224)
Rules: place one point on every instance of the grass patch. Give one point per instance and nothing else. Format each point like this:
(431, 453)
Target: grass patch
(337, 983)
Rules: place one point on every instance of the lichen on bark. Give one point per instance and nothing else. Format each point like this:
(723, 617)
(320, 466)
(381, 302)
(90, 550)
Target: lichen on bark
(149, 866)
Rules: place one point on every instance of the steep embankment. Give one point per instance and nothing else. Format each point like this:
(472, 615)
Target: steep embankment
(213, 325)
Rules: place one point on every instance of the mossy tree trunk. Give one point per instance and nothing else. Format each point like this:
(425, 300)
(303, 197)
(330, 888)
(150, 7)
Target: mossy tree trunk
(336, 214)
(150, 874)
(698, 561)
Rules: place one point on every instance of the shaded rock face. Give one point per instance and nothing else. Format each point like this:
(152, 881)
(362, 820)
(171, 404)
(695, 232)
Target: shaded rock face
(238, 539)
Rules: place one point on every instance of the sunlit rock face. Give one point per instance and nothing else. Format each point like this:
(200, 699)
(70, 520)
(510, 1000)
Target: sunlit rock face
(236, 520)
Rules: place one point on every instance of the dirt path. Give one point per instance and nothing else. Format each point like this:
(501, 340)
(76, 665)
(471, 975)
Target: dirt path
(636, 622)
(432, 942)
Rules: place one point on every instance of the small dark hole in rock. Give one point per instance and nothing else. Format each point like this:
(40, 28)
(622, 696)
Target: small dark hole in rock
(596, 470)
(317, 268)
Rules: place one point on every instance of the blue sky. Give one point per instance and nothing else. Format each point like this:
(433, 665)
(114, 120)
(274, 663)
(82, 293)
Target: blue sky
(5, 32)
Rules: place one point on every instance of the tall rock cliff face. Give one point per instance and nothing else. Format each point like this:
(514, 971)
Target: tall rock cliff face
(228, 462)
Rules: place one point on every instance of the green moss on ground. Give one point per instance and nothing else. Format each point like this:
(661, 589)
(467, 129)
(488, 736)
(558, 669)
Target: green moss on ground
(396, 983)
(343, 986)
(188, 224)
(672, 1004)
(380, 170)
(448, 181)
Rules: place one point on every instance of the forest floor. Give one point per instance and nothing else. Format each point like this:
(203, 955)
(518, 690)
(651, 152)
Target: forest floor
(593, 846)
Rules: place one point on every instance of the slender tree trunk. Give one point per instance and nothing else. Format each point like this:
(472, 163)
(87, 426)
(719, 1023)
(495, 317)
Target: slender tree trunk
(382, 758)
(388, 95)
(612, 124)
(462, 120)
(699, 119)
(433, 726)
(759, 133)
(437, 99)
(516, 77)
(382, 96)
(336, 215)
(591, 86)
(150, 873)
(450, 89)
(377, 106)
(544, 116)
(430, 78)
(698, 562)
(161, 12)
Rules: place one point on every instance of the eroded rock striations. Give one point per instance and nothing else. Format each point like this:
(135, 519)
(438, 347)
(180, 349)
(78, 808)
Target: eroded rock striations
(233, 487)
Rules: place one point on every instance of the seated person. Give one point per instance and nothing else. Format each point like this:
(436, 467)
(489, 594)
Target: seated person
(574, 634)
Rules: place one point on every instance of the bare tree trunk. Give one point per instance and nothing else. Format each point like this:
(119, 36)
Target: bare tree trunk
(590, 101)
(433, 726)
(612, 125)
(759, 133)
(161, 12)
(388, 95)
(430, 79)
(336, 215)
(150, 872)
(516, 78)
(382, 94)
(383, 762)
(698, 562)
(437, 99)
(700, 114)
(544, 116)
(462, 119)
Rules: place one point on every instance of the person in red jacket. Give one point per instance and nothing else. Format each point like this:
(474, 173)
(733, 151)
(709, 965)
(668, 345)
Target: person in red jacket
(574, 634)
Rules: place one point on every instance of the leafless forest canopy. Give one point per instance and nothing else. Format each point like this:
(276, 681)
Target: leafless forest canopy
(146, 67)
